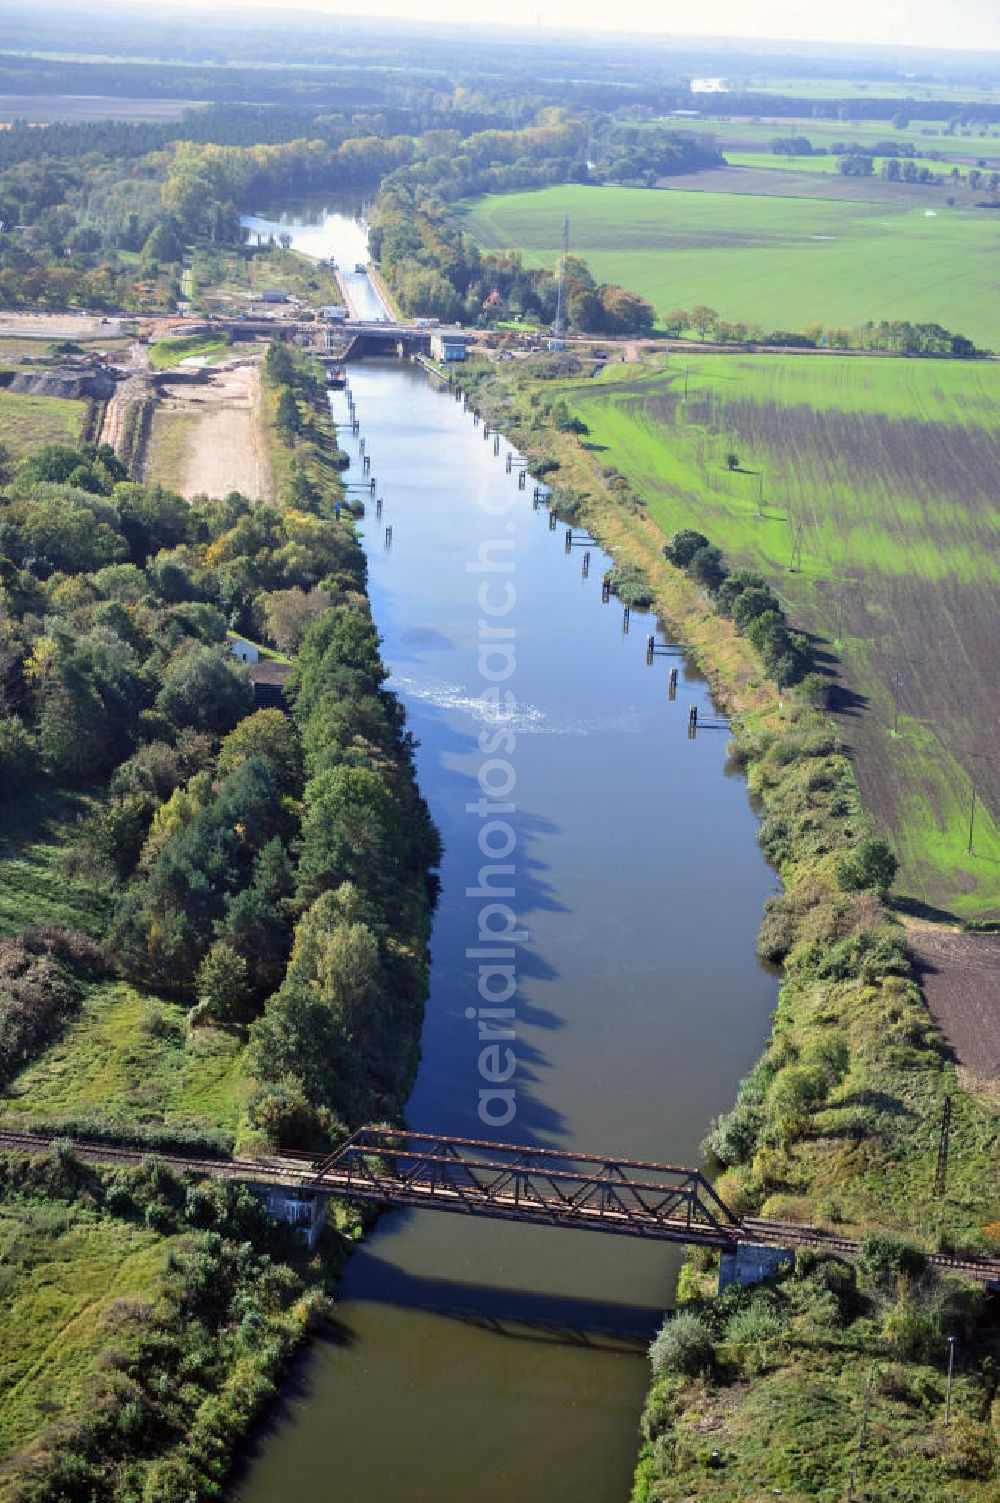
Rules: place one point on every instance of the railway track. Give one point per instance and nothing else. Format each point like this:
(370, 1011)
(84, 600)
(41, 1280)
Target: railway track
(306, 1172)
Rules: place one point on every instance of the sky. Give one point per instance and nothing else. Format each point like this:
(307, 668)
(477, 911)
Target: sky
(965, 24)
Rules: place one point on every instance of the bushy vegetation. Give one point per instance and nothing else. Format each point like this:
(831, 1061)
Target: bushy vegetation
(182, 1356)
(41, 976)
(762, 1390)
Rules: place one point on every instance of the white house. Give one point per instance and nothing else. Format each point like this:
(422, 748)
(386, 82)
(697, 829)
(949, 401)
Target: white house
(245, 651)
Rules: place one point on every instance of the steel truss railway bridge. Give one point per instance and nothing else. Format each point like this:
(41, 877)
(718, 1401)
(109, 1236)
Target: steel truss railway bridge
(509, 1182)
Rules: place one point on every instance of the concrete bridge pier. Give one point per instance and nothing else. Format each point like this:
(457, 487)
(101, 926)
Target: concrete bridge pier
(753, 1262)
(305, 1210)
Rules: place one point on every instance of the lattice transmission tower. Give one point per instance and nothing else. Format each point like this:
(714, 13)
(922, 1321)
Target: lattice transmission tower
(560, 323)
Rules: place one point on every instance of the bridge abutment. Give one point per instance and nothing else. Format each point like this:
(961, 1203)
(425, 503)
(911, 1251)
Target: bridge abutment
(752, 1263)
(305, 1210)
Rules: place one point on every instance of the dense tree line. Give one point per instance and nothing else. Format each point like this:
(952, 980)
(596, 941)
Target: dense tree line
(749, 601)
(897, 335)
(232, 842)
(433, 267)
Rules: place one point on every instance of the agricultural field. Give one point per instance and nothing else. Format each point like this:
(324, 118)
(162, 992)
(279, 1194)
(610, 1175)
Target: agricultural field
(780, 262)
(865, 490)
(825, 164)
(874, 88)
(964, 142)
(44, 108)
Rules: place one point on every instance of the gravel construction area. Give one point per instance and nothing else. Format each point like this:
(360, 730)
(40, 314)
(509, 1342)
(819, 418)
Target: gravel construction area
(960, 975)
(58, 326)
(223, 444)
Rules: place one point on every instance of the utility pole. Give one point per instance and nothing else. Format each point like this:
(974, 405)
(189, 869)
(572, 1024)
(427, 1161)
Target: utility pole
(951, 1378)
(972, 817)
(859, 1450)
(796, 563)
(944, 1141)
(895, 702)
(760, 495)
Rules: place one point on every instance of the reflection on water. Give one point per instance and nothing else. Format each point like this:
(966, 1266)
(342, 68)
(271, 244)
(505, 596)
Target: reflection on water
(484, 1361)
(323, 232)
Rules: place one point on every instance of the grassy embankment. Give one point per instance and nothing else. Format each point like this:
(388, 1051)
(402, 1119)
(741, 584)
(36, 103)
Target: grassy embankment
(887, 466)
(783, 263)
(838, 1124)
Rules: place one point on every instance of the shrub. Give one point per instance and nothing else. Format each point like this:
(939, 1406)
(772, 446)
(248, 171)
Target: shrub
(630, 585)
(831, 1054)
(972, 1451)
(758, 1321)
(777, 931)
(706, 567)
(683, 546)
(682, 1345)
(914, 1332)
(870, 864)
(752, 603)
(733, 587)
(884, 1259)
(17, 757)
(284, 1113)
(814, 689)
(796, 1092)
(732, 1138)
(775, 838)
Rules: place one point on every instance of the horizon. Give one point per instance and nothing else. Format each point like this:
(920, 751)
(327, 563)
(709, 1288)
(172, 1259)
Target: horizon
(969, 26)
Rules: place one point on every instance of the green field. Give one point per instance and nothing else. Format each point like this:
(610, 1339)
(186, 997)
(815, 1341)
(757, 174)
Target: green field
(884, 470)
(931, 135)
(69, 1279)
(37, 831)
(825, 164)
(167, 352)
(27, 421)
(782, 263)
(127, 1055)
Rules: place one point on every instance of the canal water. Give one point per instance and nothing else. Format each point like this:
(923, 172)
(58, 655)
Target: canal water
(479, 1360)
(321, 232)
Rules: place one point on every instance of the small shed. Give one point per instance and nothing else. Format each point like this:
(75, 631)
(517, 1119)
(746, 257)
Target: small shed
(274, 295)
(447, 346)
(245, 651)
(333, 313)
